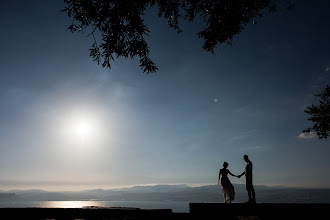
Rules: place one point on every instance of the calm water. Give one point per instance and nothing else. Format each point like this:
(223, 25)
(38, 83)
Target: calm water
(175, 206)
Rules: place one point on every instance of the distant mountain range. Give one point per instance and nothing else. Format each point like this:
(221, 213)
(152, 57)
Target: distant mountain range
(176, 193)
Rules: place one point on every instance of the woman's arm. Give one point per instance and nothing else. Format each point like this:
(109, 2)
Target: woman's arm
(231, 173)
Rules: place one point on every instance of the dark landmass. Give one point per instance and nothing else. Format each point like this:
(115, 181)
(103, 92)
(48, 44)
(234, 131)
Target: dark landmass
(175, 193)
(89, 213)
(258, 211)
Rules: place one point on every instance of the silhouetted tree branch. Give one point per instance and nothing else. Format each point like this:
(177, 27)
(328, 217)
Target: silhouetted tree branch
(320, 115)
(122, 31)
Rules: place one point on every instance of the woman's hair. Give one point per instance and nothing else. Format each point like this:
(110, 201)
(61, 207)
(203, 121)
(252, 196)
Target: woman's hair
(225, 164)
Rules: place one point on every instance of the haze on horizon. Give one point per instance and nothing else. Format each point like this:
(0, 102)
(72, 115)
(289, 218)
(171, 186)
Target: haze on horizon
(68, 124)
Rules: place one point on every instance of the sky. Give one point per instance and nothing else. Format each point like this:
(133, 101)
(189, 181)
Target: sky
(68, 124)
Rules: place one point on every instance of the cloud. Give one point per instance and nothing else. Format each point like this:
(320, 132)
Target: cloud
(307, 135)
(327, 69)
(245, 135)
(248, 111)
(253, 148)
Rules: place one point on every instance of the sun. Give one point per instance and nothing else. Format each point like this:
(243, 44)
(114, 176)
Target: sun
(82, 129)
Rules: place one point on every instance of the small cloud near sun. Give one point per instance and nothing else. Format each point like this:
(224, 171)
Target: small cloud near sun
(327, 69)
(307, 135)
(215, 100)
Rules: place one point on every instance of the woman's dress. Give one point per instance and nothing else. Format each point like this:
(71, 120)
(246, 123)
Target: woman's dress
(227, 188)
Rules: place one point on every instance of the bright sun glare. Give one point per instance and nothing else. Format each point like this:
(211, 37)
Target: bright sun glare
(82, 128)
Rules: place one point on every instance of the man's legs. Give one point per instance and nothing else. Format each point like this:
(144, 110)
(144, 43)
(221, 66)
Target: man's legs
(250, 189)
(253, 194)
(249, 193)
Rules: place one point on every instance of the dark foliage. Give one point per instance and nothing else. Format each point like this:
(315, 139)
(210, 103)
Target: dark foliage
(120, 25)
(320, 115)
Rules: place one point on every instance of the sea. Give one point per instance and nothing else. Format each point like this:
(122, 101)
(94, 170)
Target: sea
(178, 207)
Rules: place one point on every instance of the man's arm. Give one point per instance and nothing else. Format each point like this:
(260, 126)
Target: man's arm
(239, 176)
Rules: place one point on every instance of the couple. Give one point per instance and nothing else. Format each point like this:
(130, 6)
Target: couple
(228, 189)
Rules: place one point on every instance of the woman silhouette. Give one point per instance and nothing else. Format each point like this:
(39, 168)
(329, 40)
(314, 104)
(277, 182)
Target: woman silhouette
(227, 188)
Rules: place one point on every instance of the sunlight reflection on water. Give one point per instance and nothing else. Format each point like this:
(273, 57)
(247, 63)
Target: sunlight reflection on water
(175, 206)
(69, 204)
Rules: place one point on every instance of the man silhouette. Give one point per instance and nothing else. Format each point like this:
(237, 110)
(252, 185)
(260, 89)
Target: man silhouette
(248, 175)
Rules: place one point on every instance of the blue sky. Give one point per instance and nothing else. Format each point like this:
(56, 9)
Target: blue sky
(68, 124)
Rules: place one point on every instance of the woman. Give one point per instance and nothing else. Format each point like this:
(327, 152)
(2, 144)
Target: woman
(227, 188)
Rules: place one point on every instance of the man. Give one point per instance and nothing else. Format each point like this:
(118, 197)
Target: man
(248, 175)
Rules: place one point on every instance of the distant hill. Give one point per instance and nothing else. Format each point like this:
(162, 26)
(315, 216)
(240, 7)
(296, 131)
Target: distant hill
(183, 193)
(155, 188)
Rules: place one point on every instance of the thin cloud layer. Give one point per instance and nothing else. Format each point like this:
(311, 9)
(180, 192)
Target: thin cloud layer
(307, 135)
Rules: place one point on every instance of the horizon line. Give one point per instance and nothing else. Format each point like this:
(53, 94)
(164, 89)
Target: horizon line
(145, 185)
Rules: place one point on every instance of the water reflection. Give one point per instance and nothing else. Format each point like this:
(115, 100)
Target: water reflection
(69, 204)
(175, 206)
